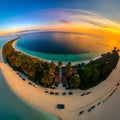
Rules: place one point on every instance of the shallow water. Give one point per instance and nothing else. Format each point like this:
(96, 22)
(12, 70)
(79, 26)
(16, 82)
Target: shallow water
(14, 108)
(5, 39)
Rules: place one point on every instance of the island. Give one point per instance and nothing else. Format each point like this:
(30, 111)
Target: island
(81, 76)
(63, 102)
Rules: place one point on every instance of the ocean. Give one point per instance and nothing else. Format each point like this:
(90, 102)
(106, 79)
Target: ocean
(13, 107)
(56, 46)
(59, 46)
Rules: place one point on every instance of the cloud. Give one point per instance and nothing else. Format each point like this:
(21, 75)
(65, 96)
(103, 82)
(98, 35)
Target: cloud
(24, 31)
(91, 18)
(65, 22)
(51, 19)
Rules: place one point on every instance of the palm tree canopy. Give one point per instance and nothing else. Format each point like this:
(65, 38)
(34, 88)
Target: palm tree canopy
(60, 63)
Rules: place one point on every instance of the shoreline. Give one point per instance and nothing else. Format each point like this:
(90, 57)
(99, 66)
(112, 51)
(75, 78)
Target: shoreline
(25, 91)
(26, 99)
(56, 62)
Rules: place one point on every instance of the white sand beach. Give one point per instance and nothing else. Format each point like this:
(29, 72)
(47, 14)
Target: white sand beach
(107, 110)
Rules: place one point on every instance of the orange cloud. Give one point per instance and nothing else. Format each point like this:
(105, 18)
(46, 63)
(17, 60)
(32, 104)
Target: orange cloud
(82, 21)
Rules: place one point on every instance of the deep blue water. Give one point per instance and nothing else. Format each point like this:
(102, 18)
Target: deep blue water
(50, 42)
(55, 46)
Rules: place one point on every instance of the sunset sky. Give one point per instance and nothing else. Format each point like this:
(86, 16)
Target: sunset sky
(88, 16)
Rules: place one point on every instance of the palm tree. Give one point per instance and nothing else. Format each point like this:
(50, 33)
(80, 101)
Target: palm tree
(60, 69)
(68, 71)
(74, 81)
(87, 75)
(95, 75)
(48, 77)
(52, 66)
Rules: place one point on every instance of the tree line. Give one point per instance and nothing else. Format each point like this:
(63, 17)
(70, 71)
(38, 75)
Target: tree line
(35, 69)
(43, 73)
(95, 71)
(90, 74)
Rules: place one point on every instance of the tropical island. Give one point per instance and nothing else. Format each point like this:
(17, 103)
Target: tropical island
(75, 100)
(59, 60)
(82, 76)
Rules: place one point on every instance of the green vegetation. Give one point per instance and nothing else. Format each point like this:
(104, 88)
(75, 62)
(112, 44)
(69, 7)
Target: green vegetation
(74, 81)
(37, 70)
(60, 66)
(68, 71)
(98, 70)
(84, 76)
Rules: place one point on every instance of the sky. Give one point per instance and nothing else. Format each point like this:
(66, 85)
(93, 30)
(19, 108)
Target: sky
(89, 16)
